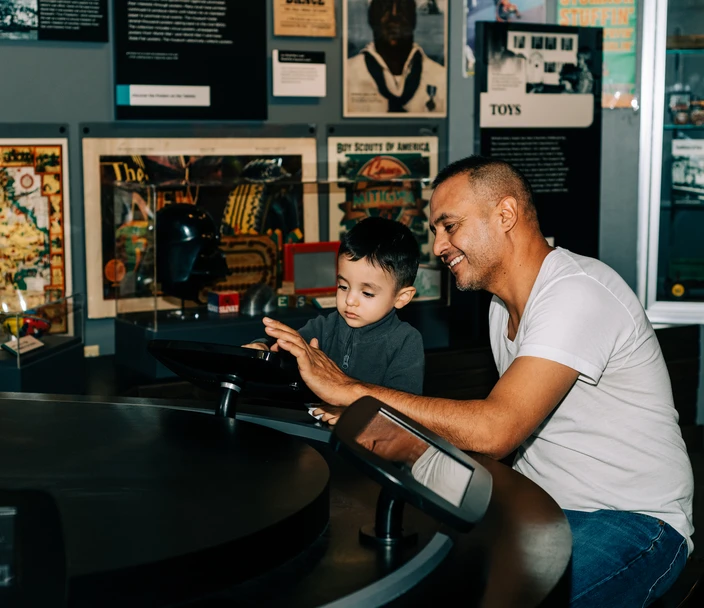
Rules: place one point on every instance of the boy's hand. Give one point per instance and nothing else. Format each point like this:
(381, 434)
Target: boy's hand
(327, 413)
(319, 373)
(256, 346)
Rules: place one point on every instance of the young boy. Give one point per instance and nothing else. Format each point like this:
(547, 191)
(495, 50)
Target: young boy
(376, 268)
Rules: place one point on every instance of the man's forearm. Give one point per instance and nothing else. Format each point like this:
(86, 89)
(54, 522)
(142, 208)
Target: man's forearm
(469, 425)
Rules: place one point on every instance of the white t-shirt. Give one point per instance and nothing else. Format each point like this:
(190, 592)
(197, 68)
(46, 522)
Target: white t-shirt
(363, 93)
(613, 442)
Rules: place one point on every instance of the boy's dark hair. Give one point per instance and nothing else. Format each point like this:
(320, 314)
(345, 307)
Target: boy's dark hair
(384, 243)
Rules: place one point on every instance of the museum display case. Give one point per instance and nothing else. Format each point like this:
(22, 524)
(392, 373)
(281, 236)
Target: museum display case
(250, 240)
(42, 341)
(671, 173)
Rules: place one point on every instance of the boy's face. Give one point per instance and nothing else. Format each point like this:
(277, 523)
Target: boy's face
(365, 293)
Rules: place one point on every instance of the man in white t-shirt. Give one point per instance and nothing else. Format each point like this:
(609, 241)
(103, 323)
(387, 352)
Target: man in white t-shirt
(393, 74)
(584, 395)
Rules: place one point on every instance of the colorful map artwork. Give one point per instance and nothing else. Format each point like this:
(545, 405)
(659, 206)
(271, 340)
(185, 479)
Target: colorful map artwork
(244, 194)
(32, 255)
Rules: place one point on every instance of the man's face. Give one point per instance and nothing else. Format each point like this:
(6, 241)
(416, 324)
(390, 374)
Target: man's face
(467, 237)
(392, 20)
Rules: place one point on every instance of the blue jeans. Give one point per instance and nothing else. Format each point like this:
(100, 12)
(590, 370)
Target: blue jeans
(622, 559)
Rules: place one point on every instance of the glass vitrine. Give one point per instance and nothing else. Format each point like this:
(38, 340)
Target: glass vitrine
(671, 188)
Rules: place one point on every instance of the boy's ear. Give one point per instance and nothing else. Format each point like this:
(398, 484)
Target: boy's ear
(404, 296)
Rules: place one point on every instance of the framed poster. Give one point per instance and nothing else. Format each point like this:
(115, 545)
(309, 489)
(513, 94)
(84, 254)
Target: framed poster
(538, 97)
(395, 58)
(248, 186)
(619, 20)
(312, 19)
(34, 220)
(515, 11)
(190, 60)
(382, 176)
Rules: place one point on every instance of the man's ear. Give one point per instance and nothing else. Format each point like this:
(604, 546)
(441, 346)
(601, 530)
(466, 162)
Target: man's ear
(404, 296)
(508, 211)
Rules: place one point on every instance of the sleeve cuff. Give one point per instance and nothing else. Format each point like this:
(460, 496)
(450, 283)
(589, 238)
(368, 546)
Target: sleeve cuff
(588, 372)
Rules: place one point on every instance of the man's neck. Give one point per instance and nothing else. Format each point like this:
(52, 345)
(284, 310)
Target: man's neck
(517, 278)
(394, 56)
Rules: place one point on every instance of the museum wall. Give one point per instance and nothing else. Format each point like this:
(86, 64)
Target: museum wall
(71, 83)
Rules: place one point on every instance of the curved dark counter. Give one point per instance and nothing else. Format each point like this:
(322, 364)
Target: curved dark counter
(159, 503)
(153, 510)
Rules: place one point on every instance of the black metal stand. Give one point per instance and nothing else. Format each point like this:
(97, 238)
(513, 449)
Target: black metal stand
(387, 530)
(231, 389)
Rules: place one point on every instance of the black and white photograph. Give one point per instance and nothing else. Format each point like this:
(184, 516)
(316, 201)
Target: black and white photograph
(395, 58)
(688, 171)
(502, 11)
(19, 20)
(542, 62)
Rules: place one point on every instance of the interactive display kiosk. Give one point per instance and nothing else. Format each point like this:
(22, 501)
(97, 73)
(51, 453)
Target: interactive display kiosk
(412, 465)
(230, 368)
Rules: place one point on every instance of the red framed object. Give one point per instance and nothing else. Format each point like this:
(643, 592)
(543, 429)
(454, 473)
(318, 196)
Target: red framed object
(291, 253)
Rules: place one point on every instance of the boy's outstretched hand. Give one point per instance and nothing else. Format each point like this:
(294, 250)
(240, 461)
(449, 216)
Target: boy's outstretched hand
(319, 373)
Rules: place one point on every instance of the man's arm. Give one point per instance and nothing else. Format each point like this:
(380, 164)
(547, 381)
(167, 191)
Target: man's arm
(524, 396)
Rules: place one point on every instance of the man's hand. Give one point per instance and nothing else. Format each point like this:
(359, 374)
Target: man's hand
(319, 373)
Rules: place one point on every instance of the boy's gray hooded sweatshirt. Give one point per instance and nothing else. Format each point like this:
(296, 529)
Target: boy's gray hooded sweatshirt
(386, 353)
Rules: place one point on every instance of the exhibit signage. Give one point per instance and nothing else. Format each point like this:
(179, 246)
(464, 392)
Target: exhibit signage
(313, 18)
(619, 20)
(190, 60)
(538, 94)
(298, 73)
(69, 20)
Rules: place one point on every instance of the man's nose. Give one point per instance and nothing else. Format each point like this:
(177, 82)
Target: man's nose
(440, 245)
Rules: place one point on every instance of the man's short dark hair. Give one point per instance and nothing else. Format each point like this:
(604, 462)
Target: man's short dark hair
(384, 243)
(495, 178)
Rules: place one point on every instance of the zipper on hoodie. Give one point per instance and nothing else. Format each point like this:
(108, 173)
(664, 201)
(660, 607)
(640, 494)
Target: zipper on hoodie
(348, 352)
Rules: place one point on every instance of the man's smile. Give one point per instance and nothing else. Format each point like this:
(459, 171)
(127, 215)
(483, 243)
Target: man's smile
(455, 261)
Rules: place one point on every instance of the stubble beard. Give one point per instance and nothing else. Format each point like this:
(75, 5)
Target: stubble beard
(483, 270)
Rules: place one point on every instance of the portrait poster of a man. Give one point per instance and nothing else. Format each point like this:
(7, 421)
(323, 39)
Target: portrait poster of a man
(395, 58)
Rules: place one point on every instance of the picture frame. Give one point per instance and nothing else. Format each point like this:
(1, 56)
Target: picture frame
(319, 263)
(36, 170)
(125, 157)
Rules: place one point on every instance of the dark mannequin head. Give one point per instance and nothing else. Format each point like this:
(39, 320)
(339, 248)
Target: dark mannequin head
(392, 22)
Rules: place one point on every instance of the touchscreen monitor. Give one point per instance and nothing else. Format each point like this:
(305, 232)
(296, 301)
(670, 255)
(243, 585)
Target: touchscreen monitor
(414, 463)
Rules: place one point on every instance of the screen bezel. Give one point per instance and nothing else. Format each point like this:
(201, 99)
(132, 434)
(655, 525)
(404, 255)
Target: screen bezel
(477, 494)
(267, 365)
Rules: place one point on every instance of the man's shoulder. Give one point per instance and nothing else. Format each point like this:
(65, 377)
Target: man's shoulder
(563, 264)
